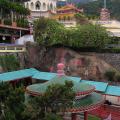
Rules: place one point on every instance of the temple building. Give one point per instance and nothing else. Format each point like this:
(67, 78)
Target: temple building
(66, 15)
(89, 97)
(40, 8)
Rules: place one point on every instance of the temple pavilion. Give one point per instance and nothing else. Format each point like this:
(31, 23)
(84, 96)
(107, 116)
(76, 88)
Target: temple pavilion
(85, 97)
(66, 15)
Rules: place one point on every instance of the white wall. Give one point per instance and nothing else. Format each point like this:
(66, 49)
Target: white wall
(32, 5)
(113, 99)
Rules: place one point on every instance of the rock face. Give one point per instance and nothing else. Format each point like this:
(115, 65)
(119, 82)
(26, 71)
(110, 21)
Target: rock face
(86, 65)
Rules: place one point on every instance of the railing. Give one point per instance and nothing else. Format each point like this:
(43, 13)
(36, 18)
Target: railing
(12, 48)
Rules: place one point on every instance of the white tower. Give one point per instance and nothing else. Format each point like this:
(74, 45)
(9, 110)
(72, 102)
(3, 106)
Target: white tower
(40, 8)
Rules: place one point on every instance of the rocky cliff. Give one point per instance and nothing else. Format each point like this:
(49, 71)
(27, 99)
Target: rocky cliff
(86, 65)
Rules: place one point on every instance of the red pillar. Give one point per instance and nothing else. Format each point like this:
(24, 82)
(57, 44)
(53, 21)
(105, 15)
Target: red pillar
(73, 116)
(86, 115)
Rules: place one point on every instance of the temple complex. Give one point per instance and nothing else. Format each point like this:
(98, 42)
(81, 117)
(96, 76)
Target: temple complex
(66, 15)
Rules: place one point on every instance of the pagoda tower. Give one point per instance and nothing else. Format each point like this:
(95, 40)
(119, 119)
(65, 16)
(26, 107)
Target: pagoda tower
(104, 14)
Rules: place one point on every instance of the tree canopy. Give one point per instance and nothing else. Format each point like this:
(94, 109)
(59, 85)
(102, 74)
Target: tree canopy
(49, 32)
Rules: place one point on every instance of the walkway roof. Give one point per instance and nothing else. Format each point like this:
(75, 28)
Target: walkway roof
(32, 72)
(49, 76)
(9, 76)
(113, 90)
(44, 75)
(100, 86)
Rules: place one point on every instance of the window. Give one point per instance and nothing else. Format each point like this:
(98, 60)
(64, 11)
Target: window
(32, 5)
(51, 6)
(38, 5)
(44, 6)
(27, 5)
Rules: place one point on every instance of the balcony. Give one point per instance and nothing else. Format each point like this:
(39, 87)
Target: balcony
(11, 48)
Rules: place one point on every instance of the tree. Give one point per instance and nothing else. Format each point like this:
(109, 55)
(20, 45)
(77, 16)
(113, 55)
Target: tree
(9, 63)
(11, 102)
(93, 36)
(81, 19)
(110, 75)
(47, 32)
(57, 98)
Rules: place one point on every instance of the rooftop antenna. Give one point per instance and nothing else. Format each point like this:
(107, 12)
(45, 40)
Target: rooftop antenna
(105, 4)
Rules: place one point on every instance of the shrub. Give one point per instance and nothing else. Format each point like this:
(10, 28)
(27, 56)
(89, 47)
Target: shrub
(22, 23)
(7, 22)
(110, 74)
(117, 77)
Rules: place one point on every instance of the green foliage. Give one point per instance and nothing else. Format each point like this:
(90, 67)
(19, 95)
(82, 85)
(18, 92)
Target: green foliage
(93, 8)
(7, 22)
(9, 63)
(22, 23)
(52, 116)
(91, 117)
(57, 98)
(49, 32)
(117, 77)
(110, 75)
(81, 19)
(12, 10)
(11, 102)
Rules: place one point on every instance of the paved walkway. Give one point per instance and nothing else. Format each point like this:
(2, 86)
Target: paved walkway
(104, 111)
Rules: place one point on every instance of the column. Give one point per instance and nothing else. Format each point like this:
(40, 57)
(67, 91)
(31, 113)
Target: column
(85, 115)
(73, 116)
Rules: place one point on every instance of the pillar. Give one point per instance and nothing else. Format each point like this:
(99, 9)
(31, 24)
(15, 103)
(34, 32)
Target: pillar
(85, 115)
(73, 116)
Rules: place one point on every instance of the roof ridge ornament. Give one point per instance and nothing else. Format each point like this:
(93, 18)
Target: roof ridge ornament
(60, 69)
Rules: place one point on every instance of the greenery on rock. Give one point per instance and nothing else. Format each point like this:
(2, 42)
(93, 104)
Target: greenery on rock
(9, 63)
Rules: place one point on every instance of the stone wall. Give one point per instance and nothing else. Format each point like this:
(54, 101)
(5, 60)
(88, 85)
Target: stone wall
(111, 58)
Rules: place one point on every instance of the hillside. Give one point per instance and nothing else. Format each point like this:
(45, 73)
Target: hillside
(93, 8)
(80, 1)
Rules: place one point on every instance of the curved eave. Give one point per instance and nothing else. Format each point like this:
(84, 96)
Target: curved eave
(94, 101)
(78, 94)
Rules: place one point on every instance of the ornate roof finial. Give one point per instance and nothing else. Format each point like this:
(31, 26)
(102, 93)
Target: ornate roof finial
(60, 71)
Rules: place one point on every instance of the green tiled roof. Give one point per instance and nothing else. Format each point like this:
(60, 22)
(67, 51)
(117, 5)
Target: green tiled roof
(100, 86)
(41, 88)
(113, 90)
(91, 99)
(17, 74)
(44, 75)
(76, 79)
